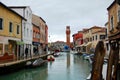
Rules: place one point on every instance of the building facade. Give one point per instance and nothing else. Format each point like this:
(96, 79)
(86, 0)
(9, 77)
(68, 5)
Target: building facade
(77, 40)
(10, 32)
(43, 34)
(87, 39)
(114, 41)
(26, 12)
(40, 34)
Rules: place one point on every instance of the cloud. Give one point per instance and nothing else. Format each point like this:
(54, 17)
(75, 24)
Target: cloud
(58, 14)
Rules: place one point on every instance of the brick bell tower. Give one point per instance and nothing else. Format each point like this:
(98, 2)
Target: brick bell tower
(68, 35)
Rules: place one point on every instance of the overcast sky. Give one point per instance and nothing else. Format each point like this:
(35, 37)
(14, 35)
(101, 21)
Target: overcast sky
(58, 14)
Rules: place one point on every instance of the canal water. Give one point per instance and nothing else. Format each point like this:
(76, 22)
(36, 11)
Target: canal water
(65, 67)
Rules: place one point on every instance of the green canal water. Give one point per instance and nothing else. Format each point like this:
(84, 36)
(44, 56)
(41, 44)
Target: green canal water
(65, 67)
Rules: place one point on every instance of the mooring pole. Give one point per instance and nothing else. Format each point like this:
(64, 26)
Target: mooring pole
(113, 60)
(98, 62)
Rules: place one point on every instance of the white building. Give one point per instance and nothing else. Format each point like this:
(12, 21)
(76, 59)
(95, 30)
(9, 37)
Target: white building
(27, 28)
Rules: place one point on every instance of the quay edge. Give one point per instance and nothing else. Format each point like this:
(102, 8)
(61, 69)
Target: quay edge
(10, 67)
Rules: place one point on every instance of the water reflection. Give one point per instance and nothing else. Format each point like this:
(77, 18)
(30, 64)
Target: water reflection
(68, 60)
(27, 74)
(65, 67)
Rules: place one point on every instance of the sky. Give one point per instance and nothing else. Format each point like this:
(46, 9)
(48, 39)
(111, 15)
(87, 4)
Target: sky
(78, 14)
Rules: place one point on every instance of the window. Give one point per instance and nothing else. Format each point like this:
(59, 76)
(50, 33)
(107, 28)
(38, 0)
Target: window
(18, 29)
(119, 15)
(27, 32)
(24, 31)
(102, 37)
(33, 34)
(10, 27)
(27, 14)
(90, 39)
(107, 46)
(1, 23)
(96, 37)
(111, 23)
(93, 38)
(106, 32)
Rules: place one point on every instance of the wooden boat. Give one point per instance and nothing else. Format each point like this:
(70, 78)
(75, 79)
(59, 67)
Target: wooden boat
(50, 58)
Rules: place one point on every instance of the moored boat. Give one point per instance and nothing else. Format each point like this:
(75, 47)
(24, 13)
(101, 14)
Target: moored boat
(39, 62)
(50, 58)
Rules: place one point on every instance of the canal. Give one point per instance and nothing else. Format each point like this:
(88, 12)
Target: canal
(65, 67)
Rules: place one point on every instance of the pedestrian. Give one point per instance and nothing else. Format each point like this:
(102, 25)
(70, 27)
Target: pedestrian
(26, 52)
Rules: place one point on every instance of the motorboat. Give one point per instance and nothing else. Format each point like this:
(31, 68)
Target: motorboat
(50, 58)
(56, 54)
(39, 62)
(89, 76)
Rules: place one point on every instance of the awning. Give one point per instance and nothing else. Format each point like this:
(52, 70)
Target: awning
(20, 42)
(89, 43)
(35, 43)
(80, 45)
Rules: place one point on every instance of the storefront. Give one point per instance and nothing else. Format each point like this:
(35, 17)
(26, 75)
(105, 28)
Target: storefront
(36, 46)
(3, 42)
(9, 47)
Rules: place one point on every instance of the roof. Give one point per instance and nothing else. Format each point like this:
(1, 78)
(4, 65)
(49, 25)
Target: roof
(95, 27)
(84, 30)
(102, 30)
(111, 5)
(36, 20)
(42, 19)
(1, 4)
(18, 6)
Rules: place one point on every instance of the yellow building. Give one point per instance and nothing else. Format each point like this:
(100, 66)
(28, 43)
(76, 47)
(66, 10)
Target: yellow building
(114, 40)
(113, 20)
(98, 36)
(91, 36)
(10, 30)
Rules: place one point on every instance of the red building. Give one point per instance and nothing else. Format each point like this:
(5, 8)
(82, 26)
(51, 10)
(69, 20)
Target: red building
(77, 39)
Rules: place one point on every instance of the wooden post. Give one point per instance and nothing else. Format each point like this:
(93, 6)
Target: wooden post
(98, 62)
(116, 61)
(110, 63)
(113, 60)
